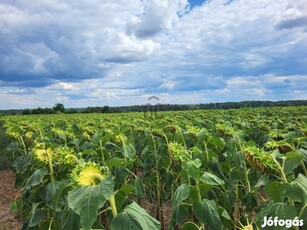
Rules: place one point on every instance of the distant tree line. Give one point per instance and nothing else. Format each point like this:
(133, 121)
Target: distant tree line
(59, 108)
(222, 105)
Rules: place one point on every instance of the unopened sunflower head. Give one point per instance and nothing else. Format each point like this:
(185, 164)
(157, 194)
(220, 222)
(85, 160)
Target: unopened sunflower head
(192, 130)
(121, 139)
(224, 130)
(66, 155)
(87, 174)
(178, 152)
(28, 135)
(14, 135)
(42, 153)
(86, 135)
(57, 131)
(281, 145)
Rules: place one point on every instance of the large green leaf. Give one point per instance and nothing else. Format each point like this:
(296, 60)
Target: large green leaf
(48, 192)
(59, 198)
(202, 135)
(207, 213)
(180, 194)
(180, 213)
(136, 218)
(297, 189)
(128, 151)
(293, 159)
(215, 166)
(280, 210)
(139, 188)
(117, 162)
(225, 218)
(37, 215)
(36, 178)
(72, 221)
(127, 188)
(86, 200)
(216, 143)
(263, 180)
(303, 152)
(211, 179)
(21, 163)
(273, 189)
(192, 168)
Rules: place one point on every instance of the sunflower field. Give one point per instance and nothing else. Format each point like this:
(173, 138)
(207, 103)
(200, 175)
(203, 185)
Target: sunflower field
(214, 169)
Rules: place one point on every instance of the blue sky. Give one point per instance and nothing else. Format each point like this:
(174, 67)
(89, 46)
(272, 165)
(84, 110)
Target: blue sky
(95, 53)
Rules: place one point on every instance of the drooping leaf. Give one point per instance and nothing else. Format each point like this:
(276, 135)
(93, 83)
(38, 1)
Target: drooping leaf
(127, 188)
(297, 189)
(72, 221)
(194, 194)
(180, 213)
(48, 192)
(207, 213)
(293, 159)
(215, 166)
(192, 168)
(202, 135)
(280, 210)
(225, 218)
(37, 215)
(180, 194)
(249, 201)
(128, 151)
(86, 200)
(211, 179)
(225, 214)
(22, 162)
(217, 143)
(263, 180)
(36, 178)
(273, 189)
(58, 198)
(117, 162)
(135, 218)
(139, 188)
(303, 152)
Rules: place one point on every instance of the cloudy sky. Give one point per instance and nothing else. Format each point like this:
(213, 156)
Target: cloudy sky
(119, 52)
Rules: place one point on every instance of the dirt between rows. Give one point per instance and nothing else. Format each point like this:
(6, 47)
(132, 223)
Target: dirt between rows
(8, 220)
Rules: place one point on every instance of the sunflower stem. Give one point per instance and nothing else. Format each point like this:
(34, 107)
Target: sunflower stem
(112, 198)
(50, 167)
(199, 199)
(113, 205)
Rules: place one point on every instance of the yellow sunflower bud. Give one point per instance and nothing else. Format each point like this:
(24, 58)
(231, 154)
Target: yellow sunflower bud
(43, 154)
(88, 174)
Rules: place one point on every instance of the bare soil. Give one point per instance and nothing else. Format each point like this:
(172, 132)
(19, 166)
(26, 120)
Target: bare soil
(8, 220)
(166, 210)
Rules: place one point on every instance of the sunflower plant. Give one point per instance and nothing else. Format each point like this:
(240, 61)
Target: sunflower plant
(95, 186)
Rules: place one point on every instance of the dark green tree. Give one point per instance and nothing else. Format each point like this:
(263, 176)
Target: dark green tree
(59, 107)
